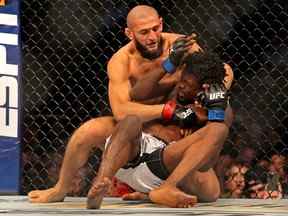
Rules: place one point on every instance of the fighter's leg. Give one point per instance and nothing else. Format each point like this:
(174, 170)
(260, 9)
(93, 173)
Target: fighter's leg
(190, 154)
(185, 157)
(205, 185)
(123, 147)
(89, 135)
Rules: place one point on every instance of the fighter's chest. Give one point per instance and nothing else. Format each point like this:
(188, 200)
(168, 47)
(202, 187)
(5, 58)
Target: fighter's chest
(137, 68)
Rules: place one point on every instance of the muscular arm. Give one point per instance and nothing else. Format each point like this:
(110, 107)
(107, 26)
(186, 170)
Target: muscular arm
(153, 84)
(149, 86)
(119, 98)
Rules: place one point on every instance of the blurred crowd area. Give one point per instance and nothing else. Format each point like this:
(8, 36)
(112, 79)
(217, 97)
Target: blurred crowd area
(240, 176)
(244, 177)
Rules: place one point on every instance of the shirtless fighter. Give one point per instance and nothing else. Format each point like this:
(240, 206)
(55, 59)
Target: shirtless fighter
(178, 174)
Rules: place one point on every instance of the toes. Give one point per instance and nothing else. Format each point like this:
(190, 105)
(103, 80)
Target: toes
(134, 196)
(190, 205)
(129, 196)
(186, 203)
(99, 188)
(33, 194)
(125, 197)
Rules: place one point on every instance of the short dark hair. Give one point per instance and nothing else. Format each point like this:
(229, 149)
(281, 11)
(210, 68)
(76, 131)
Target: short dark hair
(206, 66)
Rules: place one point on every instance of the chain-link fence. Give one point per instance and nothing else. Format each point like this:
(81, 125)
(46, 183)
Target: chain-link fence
(66, 46)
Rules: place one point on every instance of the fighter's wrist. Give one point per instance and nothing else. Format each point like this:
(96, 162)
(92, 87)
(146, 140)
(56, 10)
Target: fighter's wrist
(216, 115)
(168, 66)
(168, 110)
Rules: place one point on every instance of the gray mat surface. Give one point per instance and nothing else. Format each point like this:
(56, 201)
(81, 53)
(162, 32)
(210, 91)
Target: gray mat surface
(19, 205)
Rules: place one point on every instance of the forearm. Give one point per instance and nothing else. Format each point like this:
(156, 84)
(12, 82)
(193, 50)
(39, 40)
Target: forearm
(148, 86)
(144, 112)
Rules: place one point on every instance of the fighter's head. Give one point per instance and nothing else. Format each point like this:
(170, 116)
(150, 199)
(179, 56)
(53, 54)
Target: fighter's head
(144, 27)
(199, 68)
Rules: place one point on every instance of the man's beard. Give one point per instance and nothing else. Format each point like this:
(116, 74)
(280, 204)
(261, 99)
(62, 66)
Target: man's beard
(149, 54)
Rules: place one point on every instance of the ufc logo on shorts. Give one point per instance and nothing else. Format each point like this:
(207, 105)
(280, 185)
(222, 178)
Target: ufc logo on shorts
(217, 95)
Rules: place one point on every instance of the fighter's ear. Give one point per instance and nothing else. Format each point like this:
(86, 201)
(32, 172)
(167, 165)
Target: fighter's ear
(161, 24)
(129, 33)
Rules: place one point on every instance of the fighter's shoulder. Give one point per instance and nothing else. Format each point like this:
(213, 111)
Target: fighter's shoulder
(118, 62)
(121, 55)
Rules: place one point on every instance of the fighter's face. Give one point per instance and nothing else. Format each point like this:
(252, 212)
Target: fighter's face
(187, 88)
(235, 178)
(147, 37)
(147, 53)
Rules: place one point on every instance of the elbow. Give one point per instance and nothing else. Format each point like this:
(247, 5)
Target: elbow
(119, 115)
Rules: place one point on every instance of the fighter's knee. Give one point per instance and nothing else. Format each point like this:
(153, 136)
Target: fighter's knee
(213, 196)
(210, 187)
(93, 131)
(210, 195)
(97, 126)
(84, 131)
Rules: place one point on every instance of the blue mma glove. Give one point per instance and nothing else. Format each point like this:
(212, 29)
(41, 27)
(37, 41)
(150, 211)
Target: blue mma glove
(215, 99)
(179, 48)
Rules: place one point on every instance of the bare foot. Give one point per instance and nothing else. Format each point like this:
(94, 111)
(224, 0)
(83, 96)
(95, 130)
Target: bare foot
(46, 196)
(172, 197)
(97, 192)
(135, 196)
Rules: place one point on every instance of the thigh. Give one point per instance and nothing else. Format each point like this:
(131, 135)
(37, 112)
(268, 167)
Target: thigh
(95, 131)
(204, 185)
(202, 145)
(127, 135)
(143, 148)
(174, 152)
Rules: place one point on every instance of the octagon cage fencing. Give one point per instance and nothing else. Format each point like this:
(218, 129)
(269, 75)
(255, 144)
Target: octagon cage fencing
(66, 46)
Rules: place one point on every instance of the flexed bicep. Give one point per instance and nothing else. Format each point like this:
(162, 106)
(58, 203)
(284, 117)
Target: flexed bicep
(118, 96)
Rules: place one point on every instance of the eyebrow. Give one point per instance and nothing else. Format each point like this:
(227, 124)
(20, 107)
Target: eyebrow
(147, 29)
